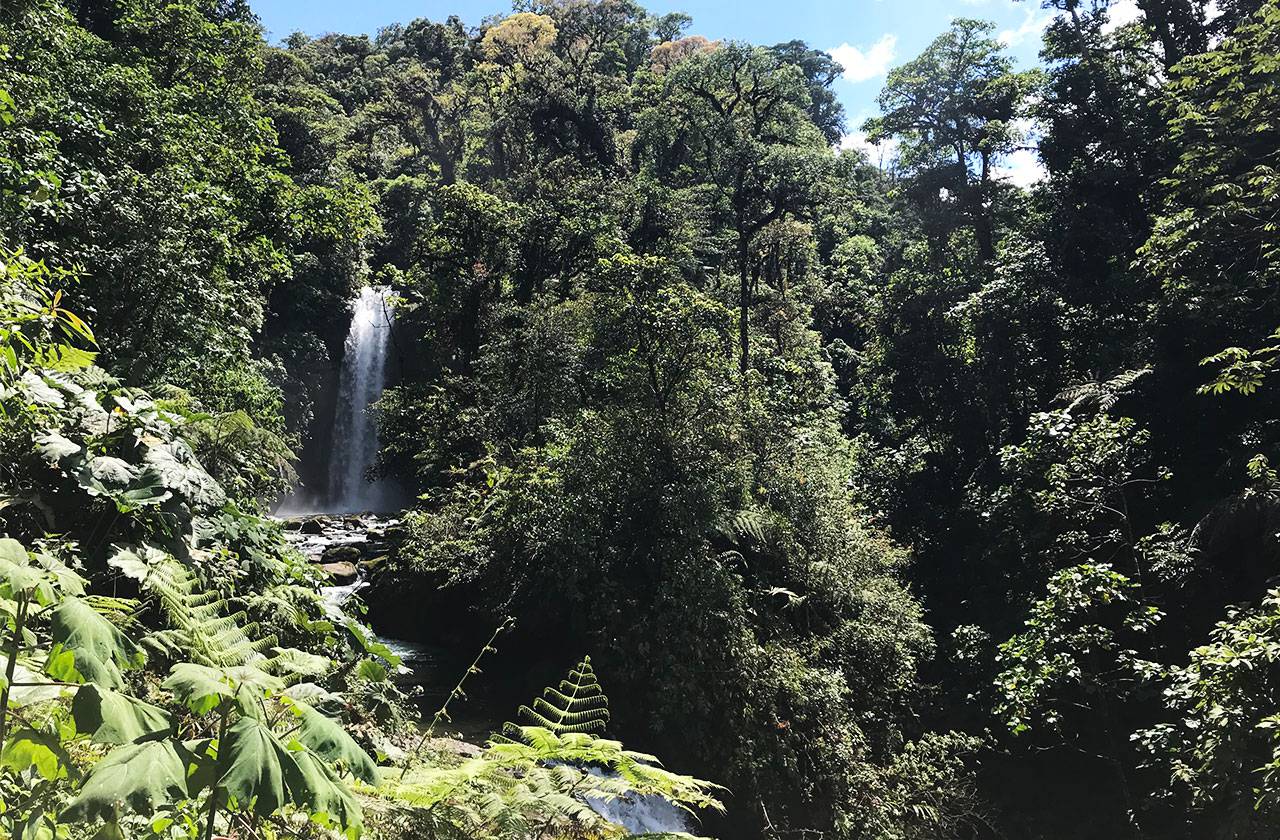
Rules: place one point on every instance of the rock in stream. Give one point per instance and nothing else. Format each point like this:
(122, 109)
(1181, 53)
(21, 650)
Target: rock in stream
(344, 547)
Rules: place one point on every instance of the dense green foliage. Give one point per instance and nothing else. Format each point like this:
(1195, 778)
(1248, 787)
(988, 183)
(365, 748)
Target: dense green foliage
(903, 502)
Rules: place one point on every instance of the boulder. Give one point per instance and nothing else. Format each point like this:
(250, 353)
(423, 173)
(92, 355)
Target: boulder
(342, 554)
(342, 573)
(311, 525)
(453, 745)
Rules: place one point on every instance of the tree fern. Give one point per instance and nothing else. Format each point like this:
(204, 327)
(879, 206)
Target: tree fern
(532, 787)
(1104, 393)
(737, 525)
(203, 627)
(578, 705)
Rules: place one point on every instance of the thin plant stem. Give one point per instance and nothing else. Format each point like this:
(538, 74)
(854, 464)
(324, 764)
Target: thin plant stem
(19, 619)
(443, 712)
(213, 794)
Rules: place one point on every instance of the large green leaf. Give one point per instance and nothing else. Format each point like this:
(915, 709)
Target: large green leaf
(57, 449)
(64, 357)
(288, 662)
(100, 650)
(323, 795)
(255, 681)
(367, 640)
(107, 474)
(113, 718)
(311, 693)
(256, 768)
(202, 688)
(135, 778)
(19, 577)
(34, 688)
(124, 484)
(327, 738)
(12, 551)
(198, 687)
(27, 748)
(262, 775)
(60, 574)
(147, 490)
(36, 825)
(136, 562)
(203, 771)
(178, 470)
(371, 670)
(40, 392)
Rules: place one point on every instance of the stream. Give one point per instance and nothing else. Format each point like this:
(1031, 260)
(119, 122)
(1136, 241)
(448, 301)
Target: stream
(345, 546)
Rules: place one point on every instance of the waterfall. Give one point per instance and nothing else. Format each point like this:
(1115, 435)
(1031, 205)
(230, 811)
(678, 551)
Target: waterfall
(360, 384)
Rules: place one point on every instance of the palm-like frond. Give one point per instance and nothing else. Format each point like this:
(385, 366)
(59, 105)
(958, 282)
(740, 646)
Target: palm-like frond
(1103, 393)
(746, 523)
(203, 626)
(541, 781)
(578, 704)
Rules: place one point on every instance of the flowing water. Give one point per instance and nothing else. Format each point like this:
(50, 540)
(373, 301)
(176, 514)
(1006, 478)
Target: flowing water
(355, 436)
(649, 814)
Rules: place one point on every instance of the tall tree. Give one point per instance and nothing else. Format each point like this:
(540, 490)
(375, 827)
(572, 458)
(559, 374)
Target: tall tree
(735, 119)
(955, 108)
(820, 71)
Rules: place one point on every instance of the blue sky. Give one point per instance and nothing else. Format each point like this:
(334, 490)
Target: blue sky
(866, 36)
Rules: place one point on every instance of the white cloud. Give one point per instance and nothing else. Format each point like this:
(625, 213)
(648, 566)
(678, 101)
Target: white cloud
(859, 65)
(1023, 168)
(1033, 23)
(880, 154)
(1121, 13)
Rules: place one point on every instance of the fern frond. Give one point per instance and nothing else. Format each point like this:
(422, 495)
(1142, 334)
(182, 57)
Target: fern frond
(121, 612)
(203, 626)
(739, 524)
(1102, 393)
(578, 705)
(544, 784)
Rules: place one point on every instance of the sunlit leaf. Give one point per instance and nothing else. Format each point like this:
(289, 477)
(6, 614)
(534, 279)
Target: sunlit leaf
(137, 778)
(109, 717)
(100, 650)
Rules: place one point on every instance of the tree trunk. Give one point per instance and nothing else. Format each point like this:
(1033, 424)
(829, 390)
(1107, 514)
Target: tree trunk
(1170, 19)
(744, 304)
(983, 228)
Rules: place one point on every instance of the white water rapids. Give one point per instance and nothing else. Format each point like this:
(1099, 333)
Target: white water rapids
(637, 814)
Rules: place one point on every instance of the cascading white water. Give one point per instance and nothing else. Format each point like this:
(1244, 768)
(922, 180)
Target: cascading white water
(641, 813)
(360, 384)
